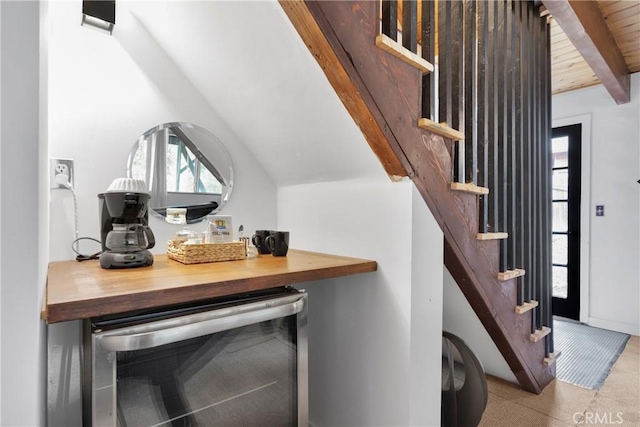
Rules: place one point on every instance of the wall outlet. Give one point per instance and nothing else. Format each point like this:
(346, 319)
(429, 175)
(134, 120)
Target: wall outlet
(61, 168)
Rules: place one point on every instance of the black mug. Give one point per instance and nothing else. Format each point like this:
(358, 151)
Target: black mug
(278, 243)
(258, 240)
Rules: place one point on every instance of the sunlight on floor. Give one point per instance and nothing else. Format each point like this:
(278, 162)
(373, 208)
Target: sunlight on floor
(562, 404)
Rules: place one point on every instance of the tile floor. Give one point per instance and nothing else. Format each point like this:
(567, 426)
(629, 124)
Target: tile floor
(565, 405)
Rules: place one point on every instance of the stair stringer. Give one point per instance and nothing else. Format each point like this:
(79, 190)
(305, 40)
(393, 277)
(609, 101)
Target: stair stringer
(341, 37)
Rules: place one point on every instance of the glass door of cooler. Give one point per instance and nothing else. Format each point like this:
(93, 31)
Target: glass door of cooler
(238, 365)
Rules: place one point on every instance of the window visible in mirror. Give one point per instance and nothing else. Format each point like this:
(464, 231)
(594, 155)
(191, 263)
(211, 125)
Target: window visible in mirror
(184, 166)
(137, 168)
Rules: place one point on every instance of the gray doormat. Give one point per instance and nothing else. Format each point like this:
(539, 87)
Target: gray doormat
(585, 354)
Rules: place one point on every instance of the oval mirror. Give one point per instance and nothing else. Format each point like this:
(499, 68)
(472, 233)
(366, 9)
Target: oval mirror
(187, 169)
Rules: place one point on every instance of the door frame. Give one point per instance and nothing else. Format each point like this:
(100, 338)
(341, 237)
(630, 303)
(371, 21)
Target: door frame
(585, 207)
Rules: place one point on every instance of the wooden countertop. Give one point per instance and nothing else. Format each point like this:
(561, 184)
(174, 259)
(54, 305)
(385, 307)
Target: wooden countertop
(79, 290)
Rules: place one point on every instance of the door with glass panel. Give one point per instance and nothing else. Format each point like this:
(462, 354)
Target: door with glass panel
(566, 152)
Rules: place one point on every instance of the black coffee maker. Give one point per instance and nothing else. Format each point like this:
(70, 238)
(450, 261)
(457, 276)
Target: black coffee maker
(124, 229)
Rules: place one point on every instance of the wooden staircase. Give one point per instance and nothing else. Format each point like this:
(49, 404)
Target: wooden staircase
(387, 88)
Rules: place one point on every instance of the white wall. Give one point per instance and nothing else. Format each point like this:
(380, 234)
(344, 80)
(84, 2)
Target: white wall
(105, 91)
(43, 200)
(1, 200)
(460, 319)
(365, 331)
(1, 120)
(614, 245)
(427, 257)
(21, 294)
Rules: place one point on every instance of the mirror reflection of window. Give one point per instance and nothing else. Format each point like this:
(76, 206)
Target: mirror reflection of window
(209, 183)
(183, 167)
(138, 163)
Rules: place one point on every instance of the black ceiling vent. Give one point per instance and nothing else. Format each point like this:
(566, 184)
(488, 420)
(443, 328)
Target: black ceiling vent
(99, 14)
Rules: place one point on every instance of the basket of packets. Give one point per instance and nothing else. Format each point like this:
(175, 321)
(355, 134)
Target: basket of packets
(196, 253)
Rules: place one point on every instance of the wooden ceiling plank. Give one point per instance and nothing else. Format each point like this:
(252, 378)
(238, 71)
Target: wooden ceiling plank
(631, 11)
(629, 36)
(568, 61)
(609, 8)
(565, 55)
(634, 57)
(573, 84)
(578, 74)
(585, 26)
(555, 29)
(576, 87)
(563, 44)
(630, 48)
(559, 50)
(584, 75)
(570, 65)
(561, 41)
(576, 79)
(568, 87)
(576, 71)
(635, 66)
(626, 23)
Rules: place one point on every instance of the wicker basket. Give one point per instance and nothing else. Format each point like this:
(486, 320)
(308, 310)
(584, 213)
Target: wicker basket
(206, 252)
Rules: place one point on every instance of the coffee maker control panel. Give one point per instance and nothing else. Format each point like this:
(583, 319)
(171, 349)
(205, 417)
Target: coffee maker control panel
(125, 260)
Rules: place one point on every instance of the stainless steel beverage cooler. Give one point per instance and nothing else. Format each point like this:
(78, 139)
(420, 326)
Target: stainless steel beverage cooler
(229, 362)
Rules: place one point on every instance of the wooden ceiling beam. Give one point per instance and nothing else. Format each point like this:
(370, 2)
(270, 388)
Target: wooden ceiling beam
(584, 25)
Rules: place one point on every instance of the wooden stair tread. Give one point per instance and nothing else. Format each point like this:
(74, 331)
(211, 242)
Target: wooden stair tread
(526, 306)
(543, 11)
(469, 187)
(396, 49)
(492, 236)
(442, 129)
(550, 360)
(511, 274)
(540, 333)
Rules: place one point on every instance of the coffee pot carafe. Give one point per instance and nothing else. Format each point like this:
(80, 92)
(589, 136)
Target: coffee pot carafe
(126, 236)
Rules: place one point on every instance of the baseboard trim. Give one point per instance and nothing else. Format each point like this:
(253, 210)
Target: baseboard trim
(612, 325)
